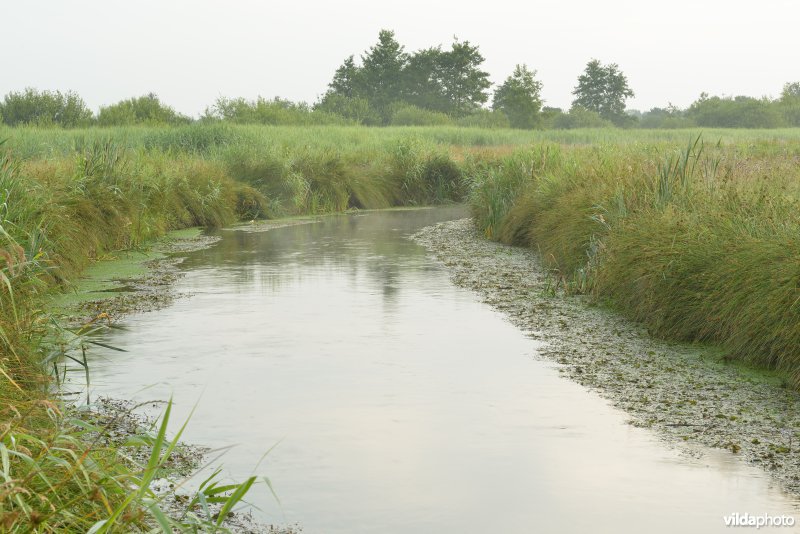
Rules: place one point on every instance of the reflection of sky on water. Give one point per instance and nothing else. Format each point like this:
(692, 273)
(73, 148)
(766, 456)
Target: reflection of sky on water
(401, 403)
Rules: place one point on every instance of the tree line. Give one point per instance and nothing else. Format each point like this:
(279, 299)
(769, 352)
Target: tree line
(433, 86)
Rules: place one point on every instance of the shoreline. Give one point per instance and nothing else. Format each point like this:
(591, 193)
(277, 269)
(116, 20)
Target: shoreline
(148, 290)
(122, 424)
(687, 394)
(151, 288)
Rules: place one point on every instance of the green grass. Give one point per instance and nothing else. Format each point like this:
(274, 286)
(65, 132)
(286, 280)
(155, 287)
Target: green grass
(209, 140)
(700, 243)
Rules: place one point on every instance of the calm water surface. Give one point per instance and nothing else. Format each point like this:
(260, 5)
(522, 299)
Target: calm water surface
(401, 403)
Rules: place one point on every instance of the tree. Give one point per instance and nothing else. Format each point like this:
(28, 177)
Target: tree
(465, 85)
(381, 72)
(789, 103)
(447, 81)
(519, 97)
(444, 81)
(378, 81)
(603, 89)
(422, 81)
(346, 80)
(790, 90)
(346, 95)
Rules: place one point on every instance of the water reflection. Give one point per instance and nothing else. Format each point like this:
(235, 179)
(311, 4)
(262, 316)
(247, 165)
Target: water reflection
(401, 403)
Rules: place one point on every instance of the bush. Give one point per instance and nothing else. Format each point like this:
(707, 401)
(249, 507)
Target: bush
(738, 112)
(408, 115)
(669, 118)
(789, 103)
(356, 110)
(484, 118)
(277, 112)
(45, 108)
(579, 117)
(146, 110)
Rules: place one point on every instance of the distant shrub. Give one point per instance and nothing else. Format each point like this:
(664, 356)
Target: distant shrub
(147, 110)
(789, 103)
(548, 117)
(484, 118)
(579, 117)
(736, 112)
(665, 118)
(408, 115)
(45, 108)
(357, 110)
(276, 112)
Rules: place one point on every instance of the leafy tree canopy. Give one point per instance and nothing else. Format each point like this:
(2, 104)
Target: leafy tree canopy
(519, 97)
(465, 84)
(380, 78)
(790, 90)
(790, 103)
(444, 81)
(604, 90)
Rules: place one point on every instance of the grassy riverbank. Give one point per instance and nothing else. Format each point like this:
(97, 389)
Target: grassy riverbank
(700, 244)
(59, 474)
(62, 209)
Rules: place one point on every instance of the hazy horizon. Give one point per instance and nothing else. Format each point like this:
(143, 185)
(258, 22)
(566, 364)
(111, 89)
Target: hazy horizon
(190, 53)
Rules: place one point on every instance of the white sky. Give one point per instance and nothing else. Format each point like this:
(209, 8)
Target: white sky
(191, 52)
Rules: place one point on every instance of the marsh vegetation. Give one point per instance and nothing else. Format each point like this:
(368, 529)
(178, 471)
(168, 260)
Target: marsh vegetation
(695, 236)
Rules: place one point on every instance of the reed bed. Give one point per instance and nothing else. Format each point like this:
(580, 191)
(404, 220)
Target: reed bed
(701, 243)
(206, 139)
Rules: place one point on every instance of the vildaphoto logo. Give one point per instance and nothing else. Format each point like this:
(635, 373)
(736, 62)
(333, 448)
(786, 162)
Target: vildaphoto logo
(764, 520)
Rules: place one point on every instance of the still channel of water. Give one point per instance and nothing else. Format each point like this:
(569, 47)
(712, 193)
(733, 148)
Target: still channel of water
(400, 403)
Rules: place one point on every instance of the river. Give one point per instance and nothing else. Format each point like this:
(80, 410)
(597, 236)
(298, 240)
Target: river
(399, 402)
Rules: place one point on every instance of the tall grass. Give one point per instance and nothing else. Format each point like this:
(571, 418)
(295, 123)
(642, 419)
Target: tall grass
(55, 216)
(206, 139)
(700, 243)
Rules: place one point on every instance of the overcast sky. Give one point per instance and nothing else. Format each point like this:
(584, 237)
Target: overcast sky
(191, 52)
